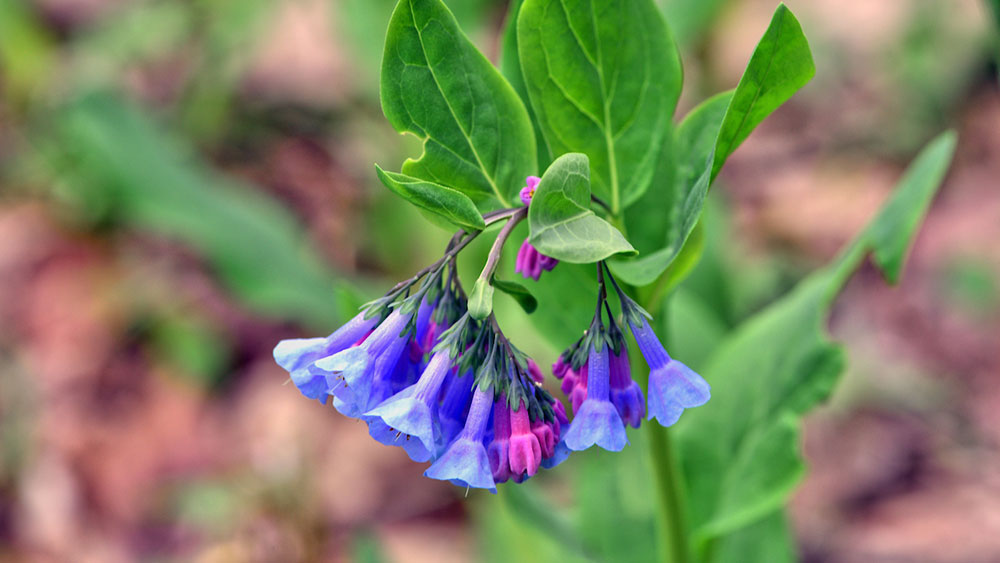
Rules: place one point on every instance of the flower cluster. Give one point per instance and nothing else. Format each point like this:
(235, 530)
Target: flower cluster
(446, 385)
(428, 378)
(597, 378)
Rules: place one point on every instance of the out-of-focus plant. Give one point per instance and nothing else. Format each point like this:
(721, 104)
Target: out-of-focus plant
(586, 100)
(115, 166)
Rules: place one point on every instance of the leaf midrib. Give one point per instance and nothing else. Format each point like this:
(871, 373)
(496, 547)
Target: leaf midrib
(468, 138)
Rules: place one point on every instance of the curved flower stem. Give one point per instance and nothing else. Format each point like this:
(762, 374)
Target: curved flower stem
(494, 258)
(459, 241)
(669, 486)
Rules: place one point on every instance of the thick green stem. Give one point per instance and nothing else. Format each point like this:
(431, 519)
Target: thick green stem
(672, 529)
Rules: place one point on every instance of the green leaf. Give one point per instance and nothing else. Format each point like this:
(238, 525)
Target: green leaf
(694, 141)
(766, 541)
(481, 299)
(27, 50)
(437, 85)
(892, 232)
(520, 526)
(520, 294)
(740, 451)
(603, 77)
(561, 222)
(453, 206)
(780, 65)
(510, 66)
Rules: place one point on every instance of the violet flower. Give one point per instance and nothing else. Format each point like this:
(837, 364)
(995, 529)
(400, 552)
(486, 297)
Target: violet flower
(407, 418)
(673, 386)
(597, 421)
(465, 462)
(296, 355)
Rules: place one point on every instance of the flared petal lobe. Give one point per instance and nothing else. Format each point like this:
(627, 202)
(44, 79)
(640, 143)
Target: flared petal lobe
(406, 419)
(465, 463)
(597, 421)
(673, 388)
(298, 354)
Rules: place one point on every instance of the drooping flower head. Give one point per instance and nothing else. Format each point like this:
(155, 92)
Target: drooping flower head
(673, 386)
(443, 382)
(525, 419)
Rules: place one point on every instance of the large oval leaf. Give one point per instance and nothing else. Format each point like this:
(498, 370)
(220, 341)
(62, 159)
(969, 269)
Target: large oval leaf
(603, 77)
(437, 85)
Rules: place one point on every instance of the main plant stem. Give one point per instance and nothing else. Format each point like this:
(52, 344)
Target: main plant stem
(669, 487)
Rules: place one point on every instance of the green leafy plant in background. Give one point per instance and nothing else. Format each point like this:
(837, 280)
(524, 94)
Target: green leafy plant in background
(585, 96)
(596, 86)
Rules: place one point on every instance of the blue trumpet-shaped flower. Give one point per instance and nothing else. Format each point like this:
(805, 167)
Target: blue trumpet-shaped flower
(465, 462)
(407, 418)
(597, 421)
(298, 354)
(673, 386)
(355, 372)
(454, 407)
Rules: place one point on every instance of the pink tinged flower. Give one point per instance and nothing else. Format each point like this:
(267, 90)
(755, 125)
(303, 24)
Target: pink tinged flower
(535, 372)
(499, 449)
(546, 434)
(560, 412)
(531, 263)
(597, 421)
(525, 452)
(528, 191)
(578, 394)
(625, 393)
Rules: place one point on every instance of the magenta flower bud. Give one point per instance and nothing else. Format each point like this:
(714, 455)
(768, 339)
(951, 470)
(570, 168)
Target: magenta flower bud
(560, 367)
(535, 372)
(560, 412)
(569, 381)
(545, 433)
(528, 191)
(525, 452)
(531, 263)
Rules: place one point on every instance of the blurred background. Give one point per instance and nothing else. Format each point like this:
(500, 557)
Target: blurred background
(184, 183)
